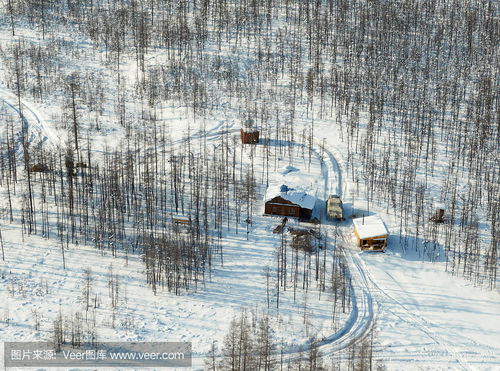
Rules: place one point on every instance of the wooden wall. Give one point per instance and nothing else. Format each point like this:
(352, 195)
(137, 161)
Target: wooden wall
(371, 242)
(251, 137)
(282, 207)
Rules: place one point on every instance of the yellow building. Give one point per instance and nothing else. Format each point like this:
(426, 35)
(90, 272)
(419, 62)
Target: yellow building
(371, 233)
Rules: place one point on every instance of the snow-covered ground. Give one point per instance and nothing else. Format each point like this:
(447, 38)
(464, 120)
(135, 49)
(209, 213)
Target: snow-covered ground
(424, 317)
(427, 319)
(38, 289)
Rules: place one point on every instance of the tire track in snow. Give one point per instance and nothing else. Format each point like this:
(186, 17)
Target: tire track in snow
(408, 316)
(362, 315)
(361, 318)
(365, 279)
(33, 123)
(365, 282)
(423, 324)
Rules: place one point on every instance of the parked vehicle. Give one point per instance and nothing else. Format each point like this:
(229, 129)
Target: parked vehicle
(334, 209)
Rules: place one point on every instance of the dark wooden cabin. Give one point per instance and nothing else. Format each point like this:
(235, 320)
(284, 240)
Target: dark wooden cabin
(290, 203)
(280, 206)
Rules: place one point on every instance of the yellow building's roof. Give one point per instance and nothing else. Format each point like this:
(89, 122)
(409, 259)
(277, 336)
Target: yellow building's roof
(370, 227)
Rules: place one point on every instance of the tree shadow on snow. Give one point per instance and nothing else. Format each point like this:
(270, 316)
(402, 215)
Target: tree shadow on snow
(414, 248)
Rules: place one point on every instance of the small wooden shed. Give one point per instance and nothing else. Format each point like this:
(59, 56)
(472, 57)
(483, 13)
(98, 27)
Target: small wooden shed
(289, 202)
(371, 233)
(249, 137)
(249, 133)
(181, 219)
(39, 168)
(438, 216)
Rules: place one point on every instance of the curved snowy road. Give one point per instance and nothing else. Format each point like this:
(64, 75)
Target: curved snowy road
(34, 125)
(368, 296)
(363, 310)
(368, 291)
(361, 318)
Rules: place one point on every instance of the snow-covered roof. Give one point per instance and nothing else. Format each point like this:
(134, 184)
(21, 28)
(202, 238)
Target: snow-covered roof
(288, 169)
(440, 205)
(250, 126)
(297, 197)
(179, 216)
(370, 226)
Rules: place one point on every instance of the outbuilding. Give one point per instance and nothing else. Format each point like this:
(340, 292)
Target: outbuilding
(249, 133)
(371, 233)
(438, 216)
(181, 219)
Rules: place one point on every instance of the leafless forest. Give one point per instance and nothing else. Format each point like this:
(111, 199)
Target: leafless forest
(411, 86)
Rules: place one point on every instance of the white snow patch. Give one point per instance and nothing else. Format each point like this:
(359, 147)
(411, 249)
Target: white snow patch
(370, 226)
